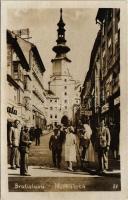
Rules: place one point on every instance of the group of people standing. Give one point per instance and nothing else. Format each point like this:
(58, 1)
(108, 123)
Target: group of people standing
(19, 141)
(63, 140)
(78, 144)
(66, 136)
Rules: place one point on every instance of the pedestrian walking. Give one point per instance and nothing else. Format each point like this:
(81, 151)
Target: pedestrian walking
(114, 144)
(32, 133)
(14, 139)
(24, 151)
(103, 146)
(70, 148)
(55, 145)
(62, 132)
(38, 133)
(85, 136)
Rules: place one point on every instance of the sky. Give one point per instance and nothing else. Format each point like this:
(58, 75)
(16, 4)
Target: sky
(81, 31)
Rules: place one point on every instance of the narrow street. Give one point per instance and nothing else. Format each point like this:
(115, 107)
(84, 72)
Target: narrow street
(53, 86)
(48, 178)
(41, 155)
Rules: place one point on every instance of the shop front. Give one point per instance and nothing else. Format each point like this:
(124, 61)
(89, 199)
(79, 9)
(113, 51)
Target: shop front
(38, 119)
(117, 124)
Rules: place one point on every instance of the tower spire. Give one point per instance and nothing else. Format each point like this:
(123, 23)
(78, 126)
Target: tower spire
(61, 47)
(61, 13)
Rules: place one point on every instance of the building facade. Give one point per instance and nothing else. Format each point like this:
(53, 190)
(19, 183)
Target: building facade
(38, 91)
(24, 82)
(52, 108)
(17, 68)
(109, 20)
(101, 88)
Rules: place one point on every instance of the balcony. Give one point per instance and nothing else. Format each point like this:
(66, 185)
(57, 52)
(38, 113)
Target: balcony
(38, 95)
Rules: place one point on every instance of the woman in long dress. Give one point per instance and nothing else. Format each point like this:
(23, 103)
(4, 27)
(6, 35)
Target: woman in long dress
(90, 154)
(70, 148)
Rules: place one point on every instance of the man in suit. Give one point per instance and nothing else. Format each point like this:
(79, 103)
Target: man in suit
(38, 133)
(14, 139)
(55, 145)
(24, 151)
(103, 146)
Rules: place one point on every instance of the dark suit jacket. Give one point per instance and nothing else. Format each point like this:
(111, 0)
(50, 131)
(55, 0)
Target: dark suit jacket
(55, 142)
(24, 142)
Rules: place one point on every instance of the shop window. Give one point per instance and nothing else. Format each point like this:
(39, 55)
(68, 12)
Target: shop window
(15, 67)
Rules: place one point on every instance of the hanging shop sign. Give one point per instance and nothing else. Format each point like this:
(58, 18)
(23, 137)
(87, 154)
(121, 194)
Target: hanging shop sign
(11, 110)
(105, 108)
(117, 101)
(85, 112)
(88, 113)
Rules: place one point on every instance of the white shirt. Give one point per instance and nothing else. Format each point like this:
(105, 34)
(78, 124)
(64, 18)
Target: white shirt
(14, 136)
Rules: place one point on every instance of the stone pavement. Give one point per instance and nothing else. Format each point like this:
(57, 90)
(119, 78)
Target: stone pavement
(46, 178)
(40, 162)
(44, 171)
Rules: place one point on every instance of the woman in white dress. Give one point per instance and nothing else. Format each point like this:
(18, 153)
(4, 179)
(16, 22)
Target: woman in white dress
(70, 148)
(90, 154)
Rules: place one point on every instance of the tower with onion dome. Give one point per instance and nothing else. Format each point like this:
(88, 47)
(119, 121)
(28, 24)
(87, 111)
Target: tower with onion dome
(61, 81)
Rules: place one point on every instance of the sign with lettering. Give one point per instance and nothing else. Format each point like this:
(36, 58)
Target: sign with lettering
(11, 110)
(83, 111)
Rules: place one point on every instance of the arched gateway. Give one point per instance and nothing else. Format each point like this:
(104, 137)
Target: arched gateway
(65, 120)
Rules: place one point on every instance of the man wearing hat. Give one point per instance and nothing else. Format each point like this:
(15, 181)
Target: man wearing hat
(103, 146)
(55, 145)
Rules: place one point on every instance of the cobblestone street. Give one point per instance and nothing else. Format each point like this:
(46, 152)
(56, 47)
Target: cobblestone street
(46, 178)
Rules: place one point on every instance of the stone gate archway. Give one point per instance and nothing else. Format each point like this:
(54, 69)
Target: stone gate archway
(65, 120)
